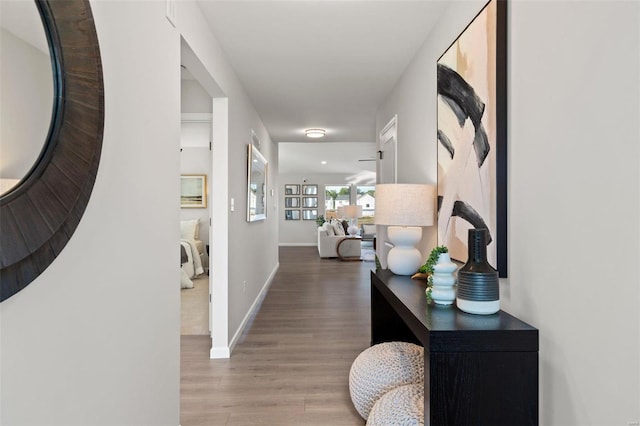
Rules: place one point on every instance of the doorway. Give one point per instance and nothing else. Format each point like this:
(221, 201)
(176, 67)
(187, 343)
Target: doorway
(206, 112)
(195, 166)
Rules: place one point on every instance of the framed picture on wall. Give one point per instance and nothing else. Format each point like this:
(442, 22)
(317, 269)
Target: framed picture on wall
(310, 189)
(257, 173)
(472, 133)
(292, 202)
(292, 189)
(193, 191)
(292, 214)
(310, 202)
(309, 214)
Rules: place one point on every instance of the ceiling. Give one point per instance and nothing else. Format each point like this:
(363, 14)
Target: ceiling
(357, 159)
(313, 63)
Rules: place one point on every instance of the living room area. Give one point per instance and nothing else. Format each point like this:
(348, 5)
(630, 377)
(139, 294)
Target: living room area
(327, 195)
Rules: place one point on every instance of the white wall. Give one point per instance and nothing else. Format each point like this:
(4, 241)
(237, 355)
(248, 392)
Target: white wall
(304, 232)
(253, 247)
(574, 156)
(26, 85)
(574, 192)
(95, 339)
(194, 99)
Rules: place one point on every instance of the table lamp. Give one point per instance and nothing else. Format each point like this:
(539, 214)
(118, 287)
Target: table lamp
(352, 212)
(405, 208)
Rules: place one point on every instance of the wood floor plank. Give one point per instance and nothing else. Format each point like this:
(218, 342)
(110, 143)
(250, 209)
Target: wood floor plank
(291, 366)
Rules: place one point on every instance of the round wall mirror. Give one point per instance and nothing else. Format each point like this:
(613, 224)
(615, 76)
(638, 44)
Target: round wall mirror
(39, 215)
(26, 84)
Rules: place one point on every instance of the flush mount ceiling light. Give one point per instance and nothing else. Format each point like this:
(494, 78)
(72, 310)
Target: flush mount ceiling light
(315, 133)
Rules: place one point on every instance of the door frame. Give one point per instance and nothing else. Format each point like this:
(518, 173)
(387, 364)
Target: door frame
(219, 208)
(388, 141)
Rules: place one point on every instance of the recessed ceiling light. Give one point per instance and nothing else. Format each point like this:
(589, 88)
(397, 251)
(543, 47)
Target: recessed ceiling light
(315, 133)
(323, 162)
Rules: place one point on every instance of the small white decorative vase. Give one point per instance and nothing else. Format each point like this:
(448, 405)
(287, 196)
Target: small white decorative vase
(442, 292)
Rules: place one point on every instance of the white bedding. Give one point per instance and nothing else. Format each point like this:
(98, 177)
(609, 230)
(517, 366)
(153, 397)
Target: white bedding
(193, 266)
(185, 281)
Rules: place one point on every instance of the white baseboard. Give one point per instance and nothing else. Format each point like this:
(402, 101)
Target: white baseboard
(298, 244)
(219, 353)
(255, 304)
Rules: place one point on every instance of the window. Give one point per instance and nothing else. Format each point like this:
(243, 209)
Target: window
(336, 196)
(366, 197)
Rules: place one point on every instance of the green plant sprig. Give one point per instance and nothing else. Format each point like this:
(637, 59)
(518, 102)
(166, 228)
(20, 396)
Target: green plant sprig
(427, 268)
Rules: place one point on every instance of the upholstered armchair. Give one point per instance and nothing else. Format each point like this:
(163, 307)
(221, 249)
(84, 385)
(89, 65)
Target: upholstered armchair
(368, 232)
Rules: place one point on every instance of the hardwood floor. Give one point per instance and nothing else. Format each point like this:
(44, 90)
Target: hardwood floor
(291, 366)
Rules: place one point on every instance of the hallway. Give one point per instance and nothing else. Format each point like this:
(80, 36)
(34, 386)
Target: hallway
(291, 366)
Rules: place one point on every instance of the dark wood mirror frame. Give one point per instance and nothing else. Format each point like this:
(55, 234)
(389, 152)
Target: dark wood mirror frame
(39, 216)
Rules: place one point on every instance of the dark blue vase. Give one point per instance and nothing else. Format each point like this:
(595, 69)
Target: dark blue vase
(478, 287)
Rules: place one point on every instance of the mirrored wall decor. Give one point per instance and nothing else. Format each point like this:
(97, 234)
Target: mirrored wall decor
(40, 214)
(309, 202)
(292, 189)
(255, 141)
(257, 168)
(292, 214)
(292, 202)
(27, 85)
(309, 214)
(310, 189)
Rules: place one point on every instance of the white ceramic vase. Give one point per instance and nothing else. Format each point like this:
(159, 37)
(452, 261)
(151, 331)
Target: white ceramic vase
(442, 292)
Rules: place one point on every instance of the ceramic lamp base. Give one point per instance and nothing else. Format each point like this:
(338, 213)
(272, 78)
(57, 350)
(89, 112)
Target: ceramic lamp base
(404, 258)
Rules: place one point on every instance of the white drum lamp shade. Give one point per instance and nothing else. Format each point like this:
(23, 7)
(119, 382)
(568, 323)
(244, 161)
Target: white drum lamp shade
(352, 212)
(405, 208)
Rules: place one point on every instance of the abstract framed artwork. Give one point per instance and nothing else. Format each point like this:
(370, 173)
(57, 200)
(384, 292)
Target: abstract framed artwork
(193, 191)
(472, 132)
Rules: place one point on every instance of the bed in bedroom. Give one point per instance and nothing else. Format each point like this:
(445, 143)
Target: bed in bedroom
(193, 256)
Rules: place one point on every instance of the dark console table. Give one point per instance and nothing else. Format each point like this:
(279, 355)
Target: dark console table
(479, 369)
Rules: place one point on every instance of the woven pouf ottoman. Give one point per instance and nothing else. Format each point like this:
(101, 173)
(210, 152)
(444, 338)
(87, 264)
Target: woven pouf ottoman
(381, 368)
(403, 405)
